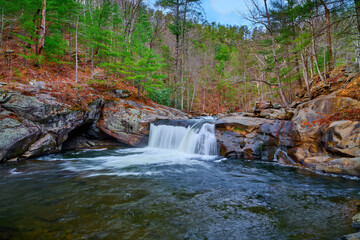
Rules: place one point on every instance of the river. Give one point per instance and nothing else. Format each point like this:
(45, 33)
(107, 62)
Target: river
(161, 193)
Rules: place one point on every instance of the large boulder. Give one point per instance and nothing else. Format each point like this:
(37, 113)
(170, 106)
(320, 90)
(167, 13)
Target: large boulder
(41, 124)
(33, 108)
(353, 68)
(307, 120)
(16, 135)
(129, 121)
(356, 221)
(343, 138)
(280, 114)
(327, 164)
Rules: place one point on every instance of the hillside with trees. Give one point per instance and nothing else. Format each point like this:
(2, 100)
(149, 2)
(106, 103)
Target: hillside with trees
(172, 55)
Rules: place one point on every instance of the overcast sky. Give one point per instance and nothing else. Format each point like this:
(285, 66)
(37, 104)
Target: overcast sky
(223, 11)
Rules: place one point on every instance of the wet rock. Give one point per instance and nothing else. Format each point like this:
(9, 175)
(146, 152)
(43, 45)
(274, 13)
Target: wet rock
(342, 138)
(354, 236)
(324, 163)
(253, 138)
(356, 221)
(46, 144)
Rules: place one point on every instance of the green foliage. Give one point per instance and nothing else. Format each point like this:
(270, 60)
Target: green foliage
(222, 52)
(161, 95)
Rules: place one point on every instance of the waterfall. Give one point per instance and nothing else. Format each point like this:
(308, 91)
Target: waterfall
(196, 139)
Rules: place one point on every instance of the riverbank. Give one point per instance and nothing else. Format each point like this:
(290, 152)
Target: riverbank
(319, 132)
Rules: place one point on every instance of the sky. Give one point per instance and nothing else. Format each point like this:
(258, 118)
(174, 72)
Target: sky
(223, 11)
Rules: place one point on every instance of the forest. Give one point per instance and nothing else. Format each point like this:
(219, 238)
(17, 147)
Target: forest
(172, 55)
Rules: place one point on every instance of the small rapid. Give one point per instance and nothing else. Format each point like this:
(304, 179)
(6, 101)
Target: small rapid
(198, 138)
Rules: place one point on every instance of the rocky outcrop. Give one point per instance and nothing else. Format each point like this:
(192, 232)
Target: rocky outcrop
(332, 149)
(39, 124)
(129, 121)
(36, 125)
(322, 134)
(343, 138)
(254, 138)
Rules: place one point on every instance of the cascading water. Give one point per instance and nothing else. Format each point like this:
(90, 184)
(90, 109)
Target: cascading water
(197, 139)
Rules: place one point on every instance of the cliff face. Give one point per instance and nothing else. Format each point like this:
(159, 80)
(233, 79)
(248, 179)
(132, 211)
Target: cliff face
(323, 133)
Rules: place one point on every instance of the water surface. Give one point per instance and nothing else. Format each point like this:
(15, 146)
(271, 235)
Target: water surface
(164, 194)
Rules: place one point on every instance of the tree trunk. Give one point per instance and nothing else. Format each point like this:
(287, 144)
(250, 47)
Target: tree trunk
(42, 29)
(305, 72)
(311, 64)
(357, 12)
(192, 99)
(298, 71)
(177, 49)
(2, 26)
(314, 54)
(277, 70)
(330, 65)
(204, 99)
(76, 51)
(24, 43)
(76, 55)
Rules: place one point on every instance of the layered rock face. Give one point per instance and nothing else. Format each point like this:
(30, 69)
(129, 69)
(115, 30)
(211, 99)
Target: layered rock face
(255, 138)
(129, 121)
(36, 125)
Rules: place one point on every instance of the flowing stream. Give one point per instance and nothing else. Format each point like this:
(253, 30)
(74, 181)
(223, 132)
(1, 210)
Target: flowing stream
(177, 188)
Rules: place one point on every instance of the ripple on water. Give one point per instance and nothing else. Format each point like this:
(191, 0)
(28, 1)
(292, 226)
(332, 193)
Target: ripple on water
(155, 194)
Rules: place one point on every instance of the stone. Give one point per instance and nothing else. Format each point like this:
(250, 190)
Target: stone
(352, 68)
(307, 115)
(324, 163)
(354, 236)
(38, 84)
(253, 138)
(352, 76)
(129, 121)
(343, 138)
(122, 93)
(46, 144)
(32, 108)
(4, 97)
(263, 105)
(15, 135)
(276, 106)
(9, 51)
(280, 114)
(356, 221)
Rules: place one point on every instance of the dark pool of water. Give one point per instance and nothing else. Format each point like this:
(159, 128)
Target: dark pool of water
(155, 194)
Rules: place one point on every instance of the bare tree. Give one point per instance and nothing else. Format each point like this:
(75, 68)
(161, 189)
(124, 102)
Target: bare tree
(262, 16)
